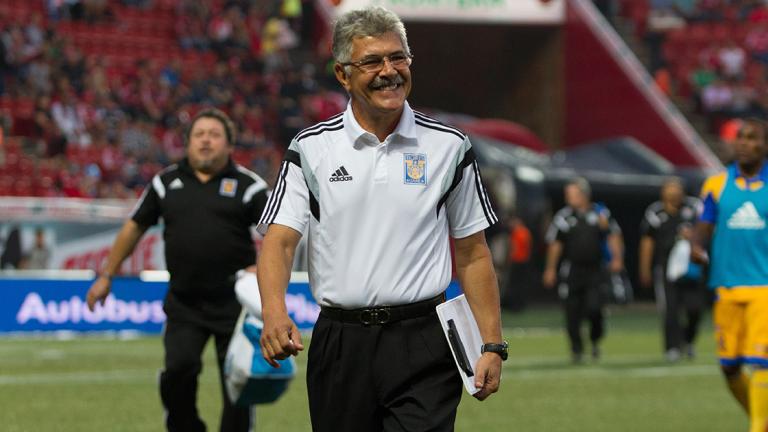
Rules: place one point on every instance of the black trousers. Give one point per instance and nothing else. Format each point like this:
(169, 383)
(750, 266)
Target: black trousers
(675, 300)
(583, 298)
(184, 343)
(396, 377)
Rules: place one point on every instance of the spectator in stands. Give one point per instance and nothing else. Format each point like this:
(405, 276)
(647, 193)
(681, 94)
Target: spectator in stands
(72, 67)
(105, 90)
(219, 86)
(732, 60)
(38, 76)
(757, 42)
(96, 11)
(109, 115)
(717, 97)
(701, 77)
(221, 27)
(758, 14)
(57, 9)
(190, 27)
(68, 115)
(137, 140)
(15, 50)
(663, 80)
(96, 82)
(172, 142)
(70, 184)
(277, 38)
(110, 158)
(743, 101)
(46, 129)
(34, 33)
(255, 19)
(708, 10)
(171, 73)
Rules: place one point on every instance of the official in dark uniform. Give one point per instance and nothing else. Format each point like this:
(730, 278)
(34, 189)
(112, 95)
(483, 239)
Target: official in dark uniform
(207, 204)
(582, 237)
(665, 222)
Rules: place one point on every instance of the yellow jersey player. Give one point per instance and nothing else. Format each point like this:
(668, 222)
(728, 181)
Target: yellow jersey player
(733, 225)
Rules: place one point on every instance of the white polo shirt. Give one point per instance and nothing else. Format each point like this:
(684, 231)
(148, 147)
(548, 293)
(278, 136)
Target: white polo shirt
(379, 215)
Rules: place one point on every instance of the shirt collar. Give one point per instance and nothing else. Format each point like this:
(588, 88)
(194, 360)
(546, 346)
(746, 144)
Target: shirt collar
(187, 168)
(733, 170)
(405, 127)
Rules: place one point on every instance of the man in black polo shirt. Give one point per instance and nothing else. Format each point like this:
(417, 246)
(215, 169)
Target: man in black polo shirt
(664, 223)
(208, 205)
(577, 240)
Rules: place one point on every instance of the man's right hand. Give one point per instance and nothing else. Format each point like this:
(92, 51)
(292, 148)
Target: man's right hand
(280, 339)
(699, 255)
(549, 278)
(98, 292)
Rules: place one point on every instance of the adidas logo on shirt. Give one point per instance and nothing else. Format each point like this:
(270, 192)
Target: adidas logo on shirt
(746, 217)
(176, 184)
(341, 174)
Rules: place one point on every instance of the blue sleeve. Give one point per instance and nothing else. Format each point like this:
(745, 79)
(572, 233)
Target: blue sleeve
(709, 210)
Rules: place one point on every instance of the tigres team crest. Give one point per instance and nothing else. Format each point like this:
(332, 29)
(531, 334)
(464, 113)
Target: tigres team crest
(228, 187)
(415, 168)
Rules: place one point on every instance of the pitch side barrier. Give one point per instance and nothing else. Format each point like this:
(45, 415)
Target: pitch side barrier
(54, 301)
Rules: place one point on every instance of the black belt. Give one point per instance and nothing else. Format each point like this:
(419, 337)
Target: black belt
(379, 315)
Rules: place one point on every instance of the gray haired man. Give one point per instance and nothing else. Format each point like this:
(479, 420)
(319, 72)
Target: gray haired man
(380, 189)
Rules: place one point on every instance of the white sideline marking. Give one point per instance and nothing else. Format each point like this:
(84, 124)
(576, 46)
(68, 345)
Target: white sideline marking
(76, 377)
(512, 372)
(517, 372)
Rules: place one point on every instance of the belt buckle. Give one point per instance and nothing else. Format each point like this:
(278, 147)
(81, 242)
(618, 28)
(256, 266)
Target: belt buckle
(375, 316)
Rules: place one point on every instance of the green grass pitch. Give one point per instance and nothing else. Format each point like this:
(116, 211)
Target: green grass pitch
(109, 384)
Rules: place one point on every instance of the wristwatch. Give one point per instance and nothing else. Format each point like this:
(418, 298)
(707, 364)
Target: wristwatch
(500, 349)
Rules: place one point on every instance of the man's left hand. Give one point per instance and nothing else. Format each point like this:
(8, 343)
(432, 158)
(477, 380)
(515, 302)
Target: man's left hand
(487, 375)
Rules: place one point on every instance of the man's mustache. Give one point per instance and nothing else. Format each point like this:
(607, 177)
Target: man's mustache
(380, 82)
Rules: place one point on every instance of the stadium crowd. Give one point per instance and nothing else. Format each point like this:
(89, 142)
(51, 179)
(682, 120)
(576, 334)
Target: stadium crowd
(710, 53)
(94, 94)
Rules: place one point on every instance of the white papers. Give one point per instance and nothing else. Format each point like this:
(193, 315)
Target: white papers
(679, 259)
(247, 292)
(459, 324)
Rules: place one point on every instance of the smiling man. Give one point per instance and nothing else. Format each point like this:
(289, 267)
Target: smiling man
(380, 190)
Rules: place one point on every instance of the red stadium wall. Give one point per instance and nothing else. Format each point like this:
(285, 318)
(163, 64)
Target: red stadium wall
(608, 94)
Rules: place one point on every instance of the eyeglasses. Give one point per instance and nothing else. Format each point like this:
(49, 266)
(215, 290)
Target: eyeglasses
(375, 63)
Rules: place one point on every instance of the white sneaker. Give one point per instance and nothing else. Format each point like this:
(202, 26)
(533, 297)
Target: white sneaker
(672, 355)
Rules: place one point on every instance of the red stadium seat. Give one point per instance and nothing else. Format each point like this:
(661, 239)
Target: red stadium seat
(699, 32)
(22, 186)
(6, 185)
(721, 31)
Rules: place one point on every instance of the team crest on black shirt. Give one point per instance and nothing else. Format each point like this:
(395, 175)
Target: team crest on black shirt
(415, 168)
(228, 187)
